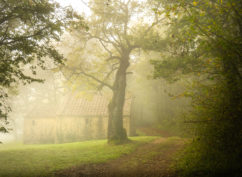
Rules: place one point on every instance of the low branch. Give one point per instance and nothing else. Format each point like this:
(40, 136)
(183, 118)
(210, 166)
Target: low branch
(113, 58)
(109, 74)
(96, 79)
(87, 75)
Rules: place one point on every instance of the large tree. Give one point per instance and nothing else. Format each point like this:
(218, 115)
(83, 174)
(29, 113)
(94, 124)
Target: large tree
(28, 29)
(117, 28)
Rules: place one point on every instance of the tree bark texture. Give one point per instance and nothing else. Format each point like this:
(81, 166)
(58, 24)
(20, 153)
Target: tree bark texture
(116, 133)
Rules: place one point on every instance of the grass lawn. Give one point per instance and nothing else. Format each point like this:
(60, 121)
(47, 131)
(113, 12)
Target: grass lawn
(42, 160)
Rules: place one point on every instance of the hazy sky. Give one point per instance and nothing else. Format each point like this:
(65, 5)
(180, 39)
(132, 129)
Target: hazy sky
(77, 5)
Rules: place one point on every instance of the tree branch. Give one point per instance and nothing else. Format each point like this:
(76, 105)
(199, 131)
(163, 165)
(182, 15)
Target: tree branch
(16, 39)
(96, 79)
(113, 57)
(152, 25)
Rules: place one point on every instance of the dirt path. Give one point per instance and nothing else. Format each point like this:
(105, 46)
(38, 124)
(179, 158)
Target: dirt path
(150, 160)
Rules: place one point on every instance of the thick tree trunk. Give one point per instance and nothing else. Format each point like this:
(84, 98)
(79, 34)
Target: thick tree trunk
(116, 133)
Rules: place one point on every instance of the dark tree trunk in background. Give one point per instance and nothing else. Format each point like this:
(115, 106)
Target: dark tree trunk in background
(116, 133)
(232, 103)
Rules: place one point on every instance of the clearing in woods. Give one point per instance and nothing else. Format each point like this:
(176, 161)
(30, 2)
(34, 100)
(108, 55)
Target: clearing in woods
(144, 156)
(152, 159)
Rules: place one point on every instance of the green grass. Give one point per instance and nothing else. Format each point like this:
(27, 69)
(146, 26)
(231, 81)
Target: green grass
(42, 160)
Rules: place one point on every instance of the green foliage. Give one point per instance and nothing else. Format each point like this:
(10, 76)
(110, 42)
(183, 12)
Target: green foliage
(204, 43)
(28, 30)
(3, 129)
(44, 160)
(215, 148)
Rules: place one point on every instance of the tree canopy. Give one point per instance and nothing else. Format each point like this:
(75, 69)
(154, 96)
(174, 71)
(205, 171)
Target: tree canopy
(28, 30)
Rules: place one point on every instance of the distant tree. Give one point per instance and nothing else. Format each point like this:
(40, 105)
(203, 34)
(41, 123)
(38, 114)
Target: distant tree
(28, 29)
(117, 28)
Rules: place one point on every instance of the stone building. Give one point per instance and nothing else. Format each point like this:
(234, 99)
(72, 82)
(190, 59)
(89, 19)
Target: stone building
(75, 119)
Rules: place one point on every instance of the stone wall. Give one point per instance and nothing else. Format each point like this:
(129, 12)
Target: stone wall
(66, 129)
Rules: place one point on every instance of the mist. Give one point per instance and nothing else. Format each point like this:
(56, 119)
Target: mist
(120, 88)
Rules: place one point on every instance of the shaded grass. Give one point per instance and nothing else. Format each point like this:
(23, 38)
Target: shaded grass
(195, 160)
(42, 160)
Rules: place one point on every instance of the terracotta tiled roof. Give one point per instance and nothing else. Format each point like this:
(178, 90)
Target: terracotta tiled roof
(95, 106)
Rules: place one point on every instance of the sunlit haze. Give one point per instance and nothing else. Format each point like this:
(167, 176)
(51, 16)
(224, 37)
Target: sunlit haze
(79, 6)
(120, 88)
